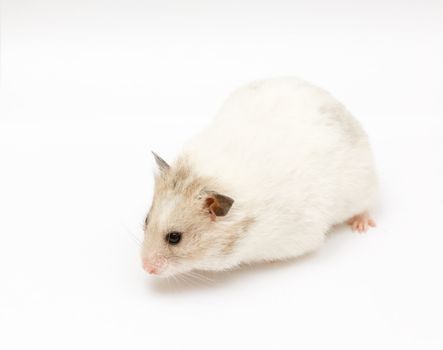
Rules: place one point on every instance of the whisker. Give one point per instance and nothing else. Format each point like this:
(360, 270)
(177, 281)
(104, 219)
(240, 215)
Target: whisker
(134, 237)
(195, 279)
(136, 240)
(191, 281)
(200, 277)
(181, 279)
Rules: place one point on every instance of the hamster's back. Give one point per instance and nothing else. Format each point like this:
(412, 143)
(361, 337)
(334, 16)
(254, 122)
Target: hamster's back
(272, 129)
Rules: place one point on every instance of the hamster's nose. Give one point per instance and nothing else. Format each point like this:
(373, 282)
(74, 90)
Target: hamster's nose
(154, 264)
(148, 267)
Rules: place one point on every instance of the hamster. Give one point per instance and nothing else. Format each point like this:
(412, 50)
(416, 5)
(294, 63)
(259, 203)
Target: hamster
(282, 162)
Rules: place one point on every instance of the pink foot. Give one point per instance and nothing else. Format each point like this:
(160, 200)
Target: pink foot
(361, 222)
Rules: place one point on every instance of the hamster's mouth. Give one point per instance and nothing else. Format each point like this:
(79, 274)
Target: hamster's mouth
(159, 271)
(162, 266)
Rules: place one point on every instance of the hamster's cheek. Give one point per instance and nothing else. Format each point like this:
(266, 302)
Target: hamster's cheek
(173, 269)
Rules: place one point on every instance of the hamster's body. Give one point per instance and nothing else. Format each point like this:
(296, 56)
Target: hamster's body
(295, 162)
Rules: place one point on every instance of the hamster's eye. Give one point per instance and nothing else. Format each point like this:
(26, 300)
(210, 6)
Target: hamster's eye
(173, 237)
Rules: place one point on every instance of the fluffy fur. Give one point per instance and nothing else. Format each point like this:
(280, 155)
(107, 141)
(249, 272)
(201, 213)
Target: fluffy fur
(291, 156)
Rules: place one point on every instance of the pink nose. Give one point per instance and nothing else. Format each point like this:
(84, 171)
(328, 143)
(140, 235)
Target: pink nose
(149, 268)
(153, 265)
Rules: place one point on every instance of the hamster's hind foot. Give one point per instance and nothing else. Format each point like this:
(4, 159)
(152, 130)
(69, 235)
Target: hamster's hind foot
(361, 222)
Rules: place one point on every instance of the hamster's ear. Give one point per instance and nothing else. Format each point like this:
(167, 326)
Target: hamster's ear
(162, 165)
(217, 204)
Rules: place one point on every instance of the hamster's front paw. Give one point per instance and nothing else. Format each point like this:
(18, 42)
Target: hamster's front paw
(361, 222)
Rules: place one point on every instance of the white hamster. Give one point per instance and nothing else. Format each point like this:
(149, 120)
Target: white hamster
(281, 163)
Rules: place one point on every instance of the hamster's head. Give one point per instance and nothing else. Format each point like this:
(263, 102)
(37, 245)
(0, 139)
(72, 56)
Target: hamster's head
(190, 224)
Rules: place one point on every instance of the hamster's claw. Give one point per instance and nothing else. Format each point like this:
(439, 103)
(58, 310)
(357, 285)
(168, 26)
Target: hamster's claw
(361, 222)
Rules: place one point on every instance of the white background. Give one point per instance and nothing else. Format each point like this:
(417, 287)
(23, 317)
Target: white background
(90, 87)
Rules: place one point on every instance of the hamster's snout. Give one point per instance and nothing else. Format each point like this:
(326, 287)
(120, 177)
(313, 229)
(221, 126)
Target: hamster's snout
(153, 265)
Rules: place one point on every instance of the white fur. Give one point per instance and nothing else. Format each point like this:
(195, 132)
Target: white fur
(298, 163)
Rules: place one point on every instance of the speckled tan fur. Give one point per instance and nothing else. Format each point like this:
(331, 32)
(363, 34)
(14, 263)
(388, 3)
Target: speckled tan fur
(241, 227)
(179, 205)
